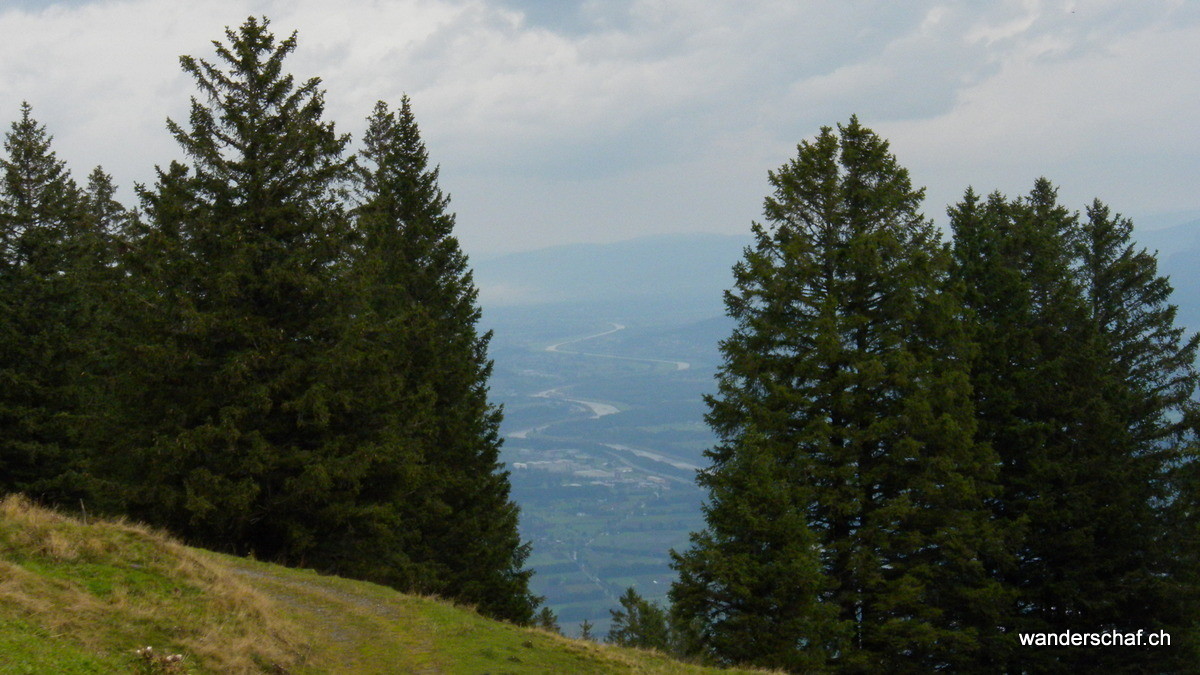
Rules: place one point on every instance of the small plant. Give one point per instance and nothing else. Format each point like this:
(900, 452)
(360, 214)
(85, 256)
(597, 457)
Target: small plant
(151, 662)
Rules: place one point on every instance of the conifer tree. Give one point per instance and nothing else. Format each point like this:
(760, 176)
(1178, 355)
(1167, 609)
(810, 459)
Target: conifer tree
(1180, 541)
(421, 313)
(1082, 385)
(108, 224)
(54, 261)
(546, 619)
(639, 623)
(1033, 375)
(846, 519)
(1150, 364)
(237, 423)
(1129, 306)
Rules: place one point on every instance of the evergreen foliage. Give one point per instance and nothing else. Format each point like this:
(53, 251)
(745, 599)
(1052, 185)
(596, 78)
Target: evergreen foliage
(1178, 546)
(1083, 387)
(923, 450)
(55, 262)
(307, 383)
(1036, 378)
(546, 619)
(639, 623)
(236, 422)
(846, 518)
(420, 314)
(1151, 366)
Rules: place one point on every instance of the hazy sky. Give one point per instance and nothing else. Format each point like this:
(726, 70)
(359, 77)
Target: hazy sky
(559, 121)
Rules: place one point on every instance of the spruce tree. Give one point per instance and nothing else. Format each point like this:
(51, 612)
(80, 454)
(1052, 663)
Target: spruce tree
(639, 623)
(54, 265)
(1082, 385)
(108, 225)
(1179, 544)
(547, 620)
(1151, 381)
(846, 519)
(1033, 371)
(421, 315)
(237, 424)
(1130, 309)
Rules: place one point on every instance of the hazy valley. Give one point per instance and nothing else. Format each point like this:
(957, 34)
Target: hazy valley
(604, 429)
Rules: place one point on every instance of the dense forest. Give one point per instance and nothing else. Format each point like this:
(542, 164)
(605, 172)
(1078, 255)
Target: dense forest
(275, 355)
(928, 447)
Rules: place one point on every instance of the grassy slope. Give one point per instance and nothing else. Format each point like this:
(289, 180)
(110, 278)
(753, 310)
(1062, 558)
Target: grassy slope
(81, 598)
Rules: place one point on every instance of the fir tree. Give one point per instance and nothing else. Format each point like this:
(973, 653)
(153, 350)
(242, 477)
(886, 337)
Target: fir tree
(1082, 385)
(1034, 367)
(639, 623)
(1180, 541)
(846, 519)
(54, 265)
(108, 224)
(237, 423)
(421, 313)
(1151, 382)
(546, 619)
(1129, 305)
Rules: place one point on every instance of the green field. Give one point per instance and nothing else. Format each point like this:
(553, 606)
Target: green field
(602, 518)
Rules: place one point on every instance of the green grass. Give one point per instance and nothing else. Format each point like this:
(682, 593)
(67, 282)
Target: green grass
(81, 598)
(29, 649)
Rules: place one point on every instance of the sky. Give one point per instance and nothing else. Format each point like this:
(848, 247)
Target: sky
(565, 121)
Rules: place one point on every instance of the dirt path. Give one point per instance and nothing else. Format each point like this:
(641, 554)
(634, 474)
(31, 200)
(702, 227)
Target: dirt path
(357, 630)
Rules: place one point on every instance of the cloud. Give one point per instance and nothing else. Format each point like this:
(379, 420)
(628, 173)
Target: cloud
(1105, 109)
(587, 121)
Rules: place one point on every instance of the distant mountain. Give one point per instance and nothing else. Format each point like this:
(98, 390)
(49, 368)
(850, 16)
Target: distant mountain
(680, 279)
(673, 280)
(682, 275)
(1178, 250)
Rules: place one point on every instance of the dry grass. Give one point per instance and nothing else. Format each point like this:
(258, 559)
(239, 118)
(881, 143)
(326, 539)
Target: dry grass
(106, 585)
(81, 598)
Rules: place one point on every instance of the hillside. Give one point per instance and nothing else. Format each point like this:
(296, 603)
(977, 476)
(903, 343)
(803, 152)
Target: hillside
(80, 597)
